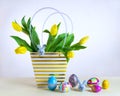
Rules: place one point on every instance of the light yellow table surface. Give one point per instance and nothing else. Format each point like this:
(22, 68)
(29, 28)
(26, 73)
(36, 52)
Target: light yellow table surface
(27, 87)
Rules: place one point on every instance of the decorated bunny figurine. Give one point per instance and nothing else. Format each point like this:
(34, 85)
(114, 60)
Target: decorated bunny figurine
(41, 50)
(82, 85)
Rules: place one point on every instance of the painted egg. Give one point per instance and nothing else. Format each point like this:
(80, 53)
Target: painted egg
(73, 79)
(96, 88)
(93, 81)
(65, 87)
(52, 83)
(105, 84)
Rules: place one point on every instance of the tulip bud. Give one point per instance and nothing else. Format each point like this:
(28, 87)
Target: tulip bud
(16, 26)
(20, 50)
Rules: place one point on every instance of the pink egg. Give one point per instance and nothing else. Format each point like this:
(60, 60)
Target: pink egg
(96, 88)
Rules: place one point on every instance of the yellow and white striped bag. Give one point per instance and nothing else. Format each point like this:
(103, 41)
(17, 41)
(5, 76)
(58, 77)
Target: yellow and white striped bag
(51, 63)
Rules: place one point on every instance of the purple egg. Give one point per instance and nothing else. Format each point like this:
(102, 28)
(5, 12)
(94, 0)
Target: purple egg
(73, 79)
(96, 88)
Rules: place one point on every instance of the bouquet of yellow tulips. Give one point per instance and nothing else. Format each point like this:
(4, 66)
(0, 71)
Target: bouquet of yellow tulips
(54, 43)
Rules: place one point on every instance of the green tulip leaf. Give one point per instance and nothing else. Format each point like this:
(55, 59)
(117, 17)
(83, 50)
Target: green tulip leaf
(22, 42)
(46, 31)
(54, 44)
(58, 26)
(23, 22)
(28, 23)
(69, 40)
(77, 46)
(34, 39)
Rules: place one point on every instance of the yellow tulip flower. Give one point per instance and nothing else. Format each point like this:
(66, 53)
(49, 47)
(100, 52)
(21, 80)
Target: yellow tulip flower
(16, 26)
(54, 30)
(20, 50)
(84, 40)
(70, 54)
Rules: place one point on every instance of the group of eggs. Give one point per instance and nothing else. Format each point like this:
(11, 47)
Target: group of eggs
(93, 83)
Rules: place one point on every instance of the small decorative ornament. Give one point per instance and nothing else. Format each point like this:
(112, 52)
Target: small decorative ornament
(52, 83)
(41, 50)
(73, 79)
(65, 87)
(105, 84)
(82, 85)
(93, 81)
(96, 88)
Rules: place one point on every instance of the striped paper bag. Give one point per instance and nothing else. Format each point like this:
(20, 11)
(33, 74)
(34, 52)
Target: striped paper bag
(49, 64)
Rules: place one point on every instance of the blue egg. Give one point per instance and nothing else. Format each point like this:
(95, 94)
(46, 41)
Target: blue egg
(52, 83)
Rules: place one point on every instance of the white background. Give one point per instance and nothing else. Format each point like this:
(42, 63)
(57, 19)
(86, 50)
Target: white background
(100, 19)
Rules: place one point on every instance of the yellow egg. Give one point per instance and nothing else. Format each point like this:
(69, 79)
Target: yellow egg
(105, 84)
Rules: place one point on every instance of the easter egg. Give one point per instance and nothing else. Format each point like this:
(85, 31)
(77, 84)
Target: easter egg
(52, 83)
(65, 87)
(96, 88)
(105, 84)
(73, 79)
(93, 81)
